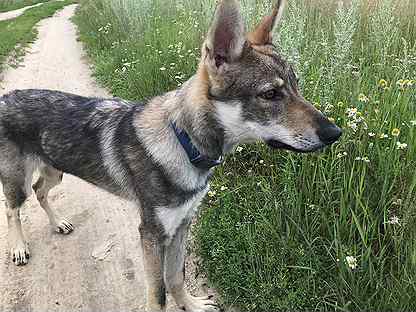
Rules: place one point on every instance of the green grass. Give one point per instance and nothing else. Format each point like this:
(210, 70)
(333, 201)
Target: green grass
(10, 5)
(277, 228)
(15, 34)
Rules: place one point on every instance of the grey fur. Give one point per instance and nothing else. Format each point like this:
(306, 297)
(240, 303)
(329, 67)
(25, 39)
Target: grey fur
(242, 92)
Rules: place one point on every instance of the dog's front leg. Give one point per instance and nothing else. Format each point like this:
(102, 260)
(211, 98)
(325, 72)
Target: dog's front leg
(175, 275)
(153, 254)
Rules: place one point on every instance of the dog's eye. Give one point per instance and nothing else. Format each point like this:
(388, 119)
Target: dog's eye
(272, 94)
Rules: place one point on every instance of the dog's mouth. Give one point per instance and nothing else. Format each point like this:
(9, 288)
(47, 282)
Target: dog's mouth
(275, 144)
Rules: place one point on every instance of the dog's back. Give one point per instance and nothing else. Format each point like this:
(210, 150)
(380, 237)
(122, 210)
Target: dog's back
(65, 131)
(27, 115)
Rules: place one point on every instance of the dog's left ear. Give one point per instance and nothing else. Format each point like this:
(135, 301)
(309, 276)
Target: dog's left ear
(226, 37)
(263, 34)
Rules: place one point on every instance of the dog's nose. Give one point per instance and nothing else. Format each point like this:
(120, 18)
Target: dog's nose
(329, 133)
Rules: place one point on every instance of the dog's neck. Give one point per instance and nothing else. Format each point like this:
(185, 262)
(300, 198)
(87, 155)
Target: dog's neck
(191, 109)
(196, 114)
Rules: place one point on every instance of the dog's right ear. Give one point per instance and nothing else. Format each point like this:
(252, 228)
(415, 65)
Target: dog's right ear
(226, 37)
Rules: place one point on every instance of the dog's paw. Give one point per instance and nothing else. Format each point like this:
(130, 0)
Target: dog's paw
(199, 304)
(20, 253)
(64, 227)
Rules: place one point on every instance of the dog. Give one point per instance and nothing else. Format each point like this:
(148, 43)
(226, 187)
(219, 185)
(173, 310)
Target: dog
(161, 154)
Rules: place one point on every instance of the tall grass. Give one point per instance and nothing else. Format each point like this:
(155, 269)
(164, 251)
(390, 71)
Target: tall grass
(279, 231)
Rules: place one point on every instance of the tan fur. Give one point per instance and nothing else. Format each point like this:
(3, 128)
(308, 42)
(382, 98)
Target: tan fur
(198, 95)
(153, 264)
(263, 33)
(301, 116)
(18, 246)
(49, 178)
(263, 49)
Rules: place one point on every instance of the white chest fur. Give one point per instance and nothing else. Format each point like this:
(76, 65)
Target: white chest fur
(172, 217)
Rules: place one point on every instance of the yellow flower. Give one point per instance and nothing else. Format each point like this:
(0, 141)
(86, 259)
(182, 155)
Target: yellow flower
(395, 132)
(383, 83)
(331, 119)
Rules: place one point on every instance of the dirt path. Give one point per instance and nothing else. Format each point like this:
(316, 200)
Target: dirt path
(62, 274)
(15, 13)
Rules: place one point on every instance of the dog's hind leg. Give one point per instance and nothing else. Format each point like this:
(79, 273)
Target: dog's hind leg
(49, 178)
(13, 173)
(175, 275)
(15, 199)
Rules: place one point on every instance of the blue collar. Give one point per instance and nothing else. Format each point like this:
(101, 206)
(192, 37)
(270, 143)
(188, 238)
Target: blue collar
(195, 157)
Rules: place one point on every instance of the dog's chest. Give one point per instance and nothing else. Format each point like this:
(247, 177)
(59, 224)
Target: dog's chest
(172, 217)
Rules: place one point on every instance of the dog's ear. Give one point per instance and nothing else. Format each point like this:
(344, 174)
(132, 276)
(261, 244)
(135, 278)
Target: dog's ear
(226, 37)
(263, 33)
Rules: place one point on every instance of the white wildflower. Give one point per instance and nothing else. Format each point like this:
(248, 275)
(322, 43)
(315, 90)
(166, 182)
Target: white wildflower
(365, 159)
(352, 262)
(394, 220)
(401, 146)
(352, 125)
(398, 202)
(351, 112)
(340, 155)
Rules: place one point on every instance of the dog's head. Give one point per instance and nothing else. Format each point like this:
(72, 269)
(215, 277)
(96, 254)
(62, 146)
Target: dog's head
(254, 89)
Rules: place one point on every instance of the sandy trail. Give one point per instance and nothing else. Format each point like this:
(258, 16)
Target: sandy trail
(62, 275)
(15, 13)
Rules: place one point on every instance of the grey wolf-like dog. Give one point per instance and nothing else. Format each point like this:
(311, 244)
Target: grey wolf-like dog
(159, 155)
